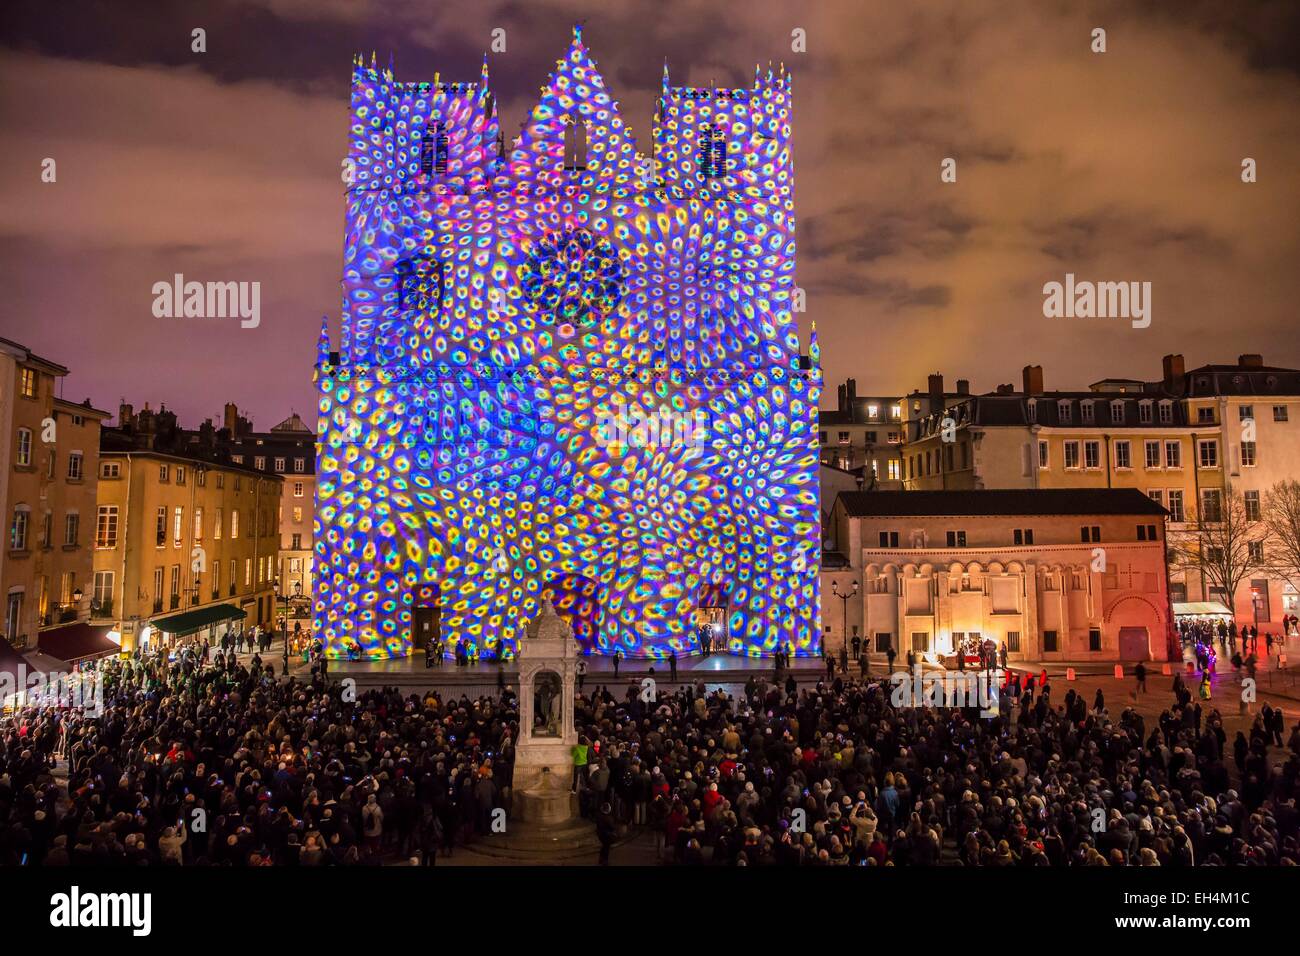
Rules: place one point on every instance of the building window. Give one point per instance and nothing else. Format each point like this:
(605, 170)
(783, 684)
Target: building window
(1086, 414)
(259, 462)
(216, 579)
(1152, 452)
(1013, 642)
(1211, 505)
(74, 466)
(1123, 455)
(27, 383)
(198, 524)
(1117, 413)
(234, 523)
(180, 474)
(1092, 454)
(110, 469)
(1071, 454)
(1173, 454)
(1094, 639)
(956, 539)
(279, 464)
(920, 641)
(176, 587)
(106, 527)
(1157, 495)
(889, 539)
(23, 458)
(1279, 413)
(71, 529)
(102, 596)
(221, 480)
(713, 152)
(1245, 413)
(895, 469)
(1205, 416)
(178, 519)
(1256, 549)
(162, 473)
(1064, 413)
(1248, 454)
(248, 572)
(1176, 505)
(160, 528)
(1090, 533)
(219, 520)
(297, 489)
(1209, 453)
(1251, 501)
(297, 542)
(18, 529)
(1042, 454)
(1049, 641)
(300, 464)
(1166, 413)
(1023, 536)
(1144, 413)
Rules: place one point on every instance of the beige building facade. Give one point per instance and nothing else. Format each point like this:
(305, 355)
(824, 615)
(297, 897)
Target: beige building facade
(1051, 575)
(48, 468)
(183, 547)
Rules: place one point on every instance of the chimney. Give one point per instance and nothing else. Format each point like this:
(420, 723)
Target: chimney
(1031, 377)
(1173, 369)
(963, 386)
(1007, 389)
(840, 394)
(231, 417)
(1250, 360)
(852, 387)
(125, 416)
(936, 392)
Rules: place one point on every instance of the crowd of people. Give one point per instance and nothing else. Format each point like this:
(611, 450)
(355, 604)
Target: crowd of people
(836, 775)
(201, 759)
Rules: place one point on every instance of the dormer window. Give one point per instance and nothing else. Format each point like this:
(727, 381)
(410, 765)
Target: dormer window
(1117, 413)
(1086, 412)
(1064, 413)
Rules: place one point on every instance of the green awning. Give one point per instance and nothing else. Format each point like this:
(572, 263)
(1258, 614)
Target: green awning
(196, 620)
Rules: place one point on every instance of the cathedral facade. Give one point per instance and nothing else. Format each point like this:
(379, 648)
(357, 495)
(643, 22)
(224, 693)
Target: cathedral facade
(567, 370)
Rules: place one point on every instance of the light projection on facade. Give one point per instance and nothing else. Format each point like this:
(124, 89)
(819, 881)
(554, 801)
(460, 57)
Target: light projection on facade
(504, 304)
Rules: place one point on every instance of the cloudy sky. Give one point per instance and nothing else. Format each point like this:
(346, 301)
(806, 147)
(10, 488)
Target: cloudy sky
(225, 165)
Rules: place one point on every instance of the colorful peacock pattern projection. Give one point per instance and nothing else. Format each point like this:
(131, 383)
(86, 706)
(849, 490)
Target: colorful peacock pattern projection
(502, 304)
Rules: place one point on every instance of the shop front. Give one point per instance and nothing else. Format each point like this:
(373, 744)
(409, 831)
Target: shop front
(211, 623)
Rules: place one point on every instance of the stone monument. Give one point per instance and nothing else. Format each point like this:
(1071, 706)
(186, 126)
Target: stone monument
(544, 754)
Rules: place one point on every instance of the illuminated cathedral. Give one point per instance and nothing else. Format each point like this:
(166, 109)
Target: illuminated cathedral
(506, 305)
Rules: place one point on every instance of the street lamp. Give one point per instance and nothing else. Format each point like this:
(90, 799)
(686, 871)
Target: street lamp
(844, 598)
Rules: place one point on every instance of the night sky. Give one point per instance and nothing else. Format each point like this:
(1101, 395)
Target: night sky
(225, 166)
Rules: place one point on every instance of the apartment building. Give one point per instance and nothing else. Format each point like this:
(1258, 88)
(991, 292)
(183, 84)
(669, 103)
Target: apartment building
(862, 436)
(1188, 440)
(48, 467)
(184, 546)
